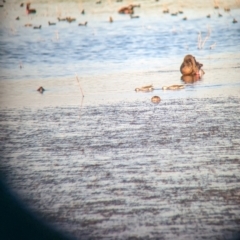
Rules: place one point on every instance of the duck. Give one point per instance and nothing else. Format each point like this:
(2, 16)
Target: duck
(226, 9)
(17, 18)
(110, 19)
(129, 9)
(83, 12)
(51, 23)
(132, 16)
(148, 88)
(166, 10)
(30, 10)
(234, 20)
(190, 66)
(28, 25)
(208, 16)
(185, 18)
(82, 24)
(41, 89)
(173, 87)
(37, 27)
(155, 99)
(62, 19)
(22, 4)
(126, 10)
(70, 19)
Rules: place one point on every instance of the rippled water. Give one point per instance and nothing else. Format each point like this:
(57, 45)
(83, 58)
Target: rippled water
(111, 164)
(154, 41)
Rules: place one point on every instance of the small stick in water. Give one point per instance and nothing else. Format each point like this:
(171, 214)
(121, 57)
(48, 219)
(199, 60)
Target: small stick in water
(79, 85)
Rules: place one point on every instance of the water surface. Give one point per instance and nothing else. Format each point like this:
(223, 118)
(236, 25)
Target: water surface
(112, 165)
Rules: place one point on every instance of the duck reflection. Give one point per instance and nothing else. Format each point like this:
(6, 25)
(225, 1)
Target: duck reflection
(190, 78)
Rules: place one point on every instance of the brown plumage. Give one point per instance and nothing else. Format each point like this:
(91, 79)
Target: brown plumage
(41, 89)
(129, 9)
(190, 66)
(29, 10)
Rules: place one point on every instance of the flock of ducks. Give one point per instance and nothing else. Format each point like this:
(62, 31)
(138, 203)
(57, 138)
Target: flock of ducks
(190, 68)
(123, 10)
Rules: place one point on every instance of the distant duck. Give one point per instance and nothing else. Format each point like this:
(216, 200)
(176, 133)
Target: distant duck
(30, 10)
(82, 24)
(110, 19)
(98, 2)
(148, 88)
(190, 66)
(219, 15)
(226, 9)
(70, 19)
(51, 23)
(174, 14)
(132, 16)
(22, 4)
(37, 27)
(17, 18)
(83, 11)
(61, 19)
(216, 7)
(208, 16)
(119, 0)
(173, 87)
(28, 25)
(129, 9)
(41, 89)
(126, 10)
(234, 20)
(180, 12)
(155, 99)
(185, 18)
(166, 10)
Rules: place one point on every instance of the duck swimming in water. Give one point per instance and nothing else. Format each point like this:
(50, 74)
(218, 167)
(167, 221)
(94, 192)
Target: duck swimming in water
(129, 9)
(29, 10)
(191, 67)
(155, 99)
(37, 27)
(82, 24)
(51, 23)
(173, 87)
(41, 89)
(148, 88)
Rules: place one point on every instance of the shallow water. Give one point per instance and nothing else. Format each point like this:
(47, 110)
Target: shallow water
(129, 169)
(111, 164)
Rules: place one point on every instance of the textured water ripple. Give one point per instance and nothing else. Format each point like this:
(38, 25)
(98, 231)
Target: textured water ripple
(128, 170)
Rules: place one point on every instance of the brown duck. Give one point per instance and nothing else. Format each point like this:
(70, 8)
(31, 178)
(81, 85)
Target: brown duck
(129, 9)
(30, 10)
(190, 66)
